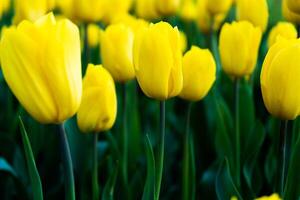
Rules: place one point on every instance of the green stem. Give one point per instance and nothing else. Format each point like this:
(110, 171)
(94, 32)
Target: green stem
(237, 131)
(187, 183)
(125, 140)
(95, 168)
(283, 135)
(161, 148)
(67, 163)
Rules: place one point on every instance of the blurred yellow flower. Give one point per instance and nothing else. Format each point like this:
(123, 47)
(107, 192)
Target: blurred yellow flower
(187, 10)
(283, 29)
(183, 41)
(116, 51)
(254, 11)
(199, 73)
(239, 45)
(158, 61)
(234, 198)
(146, 9)
(167, 7)
(280, 79)
(116, 7)
(216, 7)
(288, 14)
(93, 31)
(204, 18)
(134, 23)
(272, 197)
(294, 5)
(42, 66)
(98, 108)
(4, 7)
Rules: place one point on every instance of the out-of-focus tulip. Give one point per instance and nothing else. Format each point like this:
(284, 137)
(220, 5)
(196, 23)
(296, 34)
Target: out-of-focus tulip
(146, 9)
(282, 29)
(42, 66)
(280, 79)
(288, 14)
(272, 197)
(116, 7)
(204, 18)
(98, 108)
(93, 32)
(167, 7)
(199, 73)
(116, 51)
(216, 7)
(131, 21)
(158, 61)
(29, 9)
(254, 11)
(188, 10)
(239, 44)
(183, 41)
(4, 6)
(294, 5)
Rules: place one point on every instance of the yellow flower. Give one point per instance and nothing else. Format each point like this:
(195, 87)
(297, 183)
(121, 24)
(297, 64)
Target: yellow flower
(272, 197)
(280, 79)
(239, 45)
(234, 198)
(134, 23)
(282, 29)
(288, 14)
(199, 73)
(4, 7)
(216, 7)
(146, 9)
(93, 32)
(41, 64)
(98, 108)
(29, 9)
(294, 5)
(188, 10)
(167, 7)
(204, 18)
(158, 61)
(116, 7)
(254, 11)
(183, 41)
(116, 51)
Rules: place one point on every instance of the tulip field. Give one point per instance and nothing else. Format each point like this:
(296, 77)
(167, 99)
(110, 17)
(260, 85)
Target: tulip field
(149, 99)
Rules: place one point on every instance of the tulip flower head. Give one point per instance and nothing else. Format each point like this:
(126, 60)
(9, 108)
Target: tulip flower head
(41, 64)
(167, 7)
(146, 9)
(280, 79)
(216, 7)
(290, 15)
(4, 7)
(282, 29)
(272, 197)
(238, 45)
(158, 61)
(98, 108)
(199, 73)
(188, 10)
(294, 5)
(116, 51)
(93, 31)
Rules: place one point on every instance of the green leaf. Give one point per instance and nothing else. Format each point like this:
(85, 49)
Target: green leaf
(149, 188)
(108, 191)
(33, 172)
(225, 187)
(5, 166)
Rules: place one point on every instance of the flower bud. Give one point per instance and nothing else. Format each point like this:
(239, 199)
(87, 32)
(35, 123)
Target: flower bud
(98, 108)
(216, 7)
(146, 9)
(294, 5)
(167, 7)
(188, 10)
(282, 29)
(288, 14)
(157, 61)
(93, 32)
(272, 197)
(199, 73)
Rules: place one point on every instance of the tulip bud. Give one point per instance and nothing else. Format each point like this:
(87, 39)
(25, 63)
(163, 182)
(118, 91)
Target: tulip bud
(239, 45)
(157, 61)
(116, 7)
(129, 20)
(280, 79)
(93, 32)
(41, 64)
(282, 29)
(254, 11)
(188, 10)
(294, 5)
(272, 197)
(116, 51)
(288, 14)
(199, 73)
(98, 108)
(167, 7)
(4, 7)
(216, 7)
(146, 9)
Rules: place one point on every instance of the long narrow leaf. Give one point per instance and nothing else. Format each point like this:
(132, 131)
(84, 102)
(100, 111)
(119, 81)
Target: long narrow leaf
(108, 191)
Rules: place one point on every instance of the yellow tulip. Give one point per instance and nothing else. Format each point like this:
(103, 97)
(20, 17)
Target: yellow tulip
(294, 5)
(116, 51)
(288, 14)
(183, 41)
(199, 73)
(4, 7)
(93, 32)
(234, 198)
(98, 108)
(158, 61)
(272, 197)
(188, 10)
(42, 66)
(167, 7)
(204, 18)
(29, 9)
(134, 23)
(239, 45)
(116, 7)
(146, 9)
(254, 11)
(216, 7)
(282, 29)
(280, 79)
